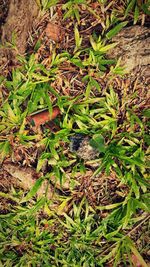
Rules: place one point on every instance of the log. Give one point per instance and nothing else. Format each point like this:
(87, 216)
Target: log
(19, 22)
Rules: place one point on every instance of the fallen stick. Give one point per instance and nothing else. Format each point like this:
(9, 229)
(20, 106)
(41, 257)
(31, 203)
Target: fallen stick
(42, 117)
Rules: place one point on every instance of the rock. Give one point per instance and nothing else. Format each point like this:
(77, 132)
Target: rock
(80, 144)
(134, 50)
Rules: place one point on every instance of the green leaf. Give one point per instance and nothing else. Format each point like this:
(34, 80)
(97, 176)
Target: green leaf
(33, 190)
(41, 163)
(93, 43)
(95, 84)
(111, 234)
(77, 15)
(52, 90)
(77, 62)
(4, 150)
(135, 188)
(88, 90)
(136, 14)
(8, 196)
(105, 48)
(128, 213)
(49, 103)
(146, 8)
(68, 14)
(116, 29)
(69, 222)
(145, 200)
(47, 4)
(107, 61)
(39, 204)
(147, 139)
(146, 113)
(98, 142)
(78, 40)
(130, 7)
(109, 207)
(2, 127)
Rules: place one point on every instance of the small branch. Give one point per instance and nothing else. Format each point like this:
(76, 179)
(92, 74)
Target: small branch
(43, 117)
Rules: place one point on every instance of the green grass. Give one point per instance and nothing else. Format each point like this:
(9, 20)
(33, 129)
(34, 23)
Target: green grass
(71, 230)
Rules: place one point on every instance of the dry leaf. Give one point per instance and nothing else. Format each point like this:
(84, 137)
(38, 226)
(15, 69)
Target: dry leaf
(53, 32)
(25, 176)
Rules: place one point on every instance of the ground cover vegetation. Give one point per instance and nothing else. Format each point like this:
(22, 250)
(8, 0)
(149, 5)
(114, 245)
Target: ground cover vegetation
(98, 211)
